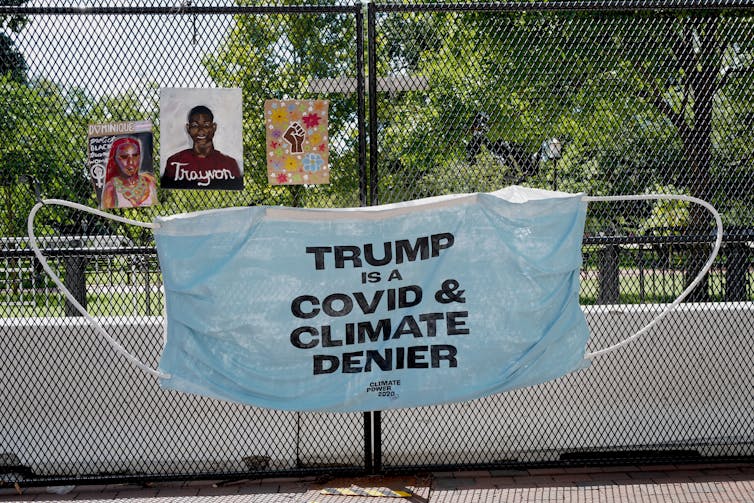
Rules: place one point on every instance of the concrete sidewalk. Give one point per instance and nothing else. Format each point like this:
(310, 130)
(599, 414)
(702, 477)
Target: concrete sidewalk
(697, 483)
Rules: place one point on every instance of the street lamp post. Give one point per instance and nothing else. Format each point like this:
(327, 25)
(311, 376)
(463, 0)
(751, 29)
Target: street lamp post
(552, 151)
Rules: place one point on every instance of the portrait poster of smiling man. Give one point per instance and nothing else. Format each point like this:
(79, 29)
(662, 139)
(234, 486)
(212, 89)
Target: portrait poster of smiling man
(200, 139)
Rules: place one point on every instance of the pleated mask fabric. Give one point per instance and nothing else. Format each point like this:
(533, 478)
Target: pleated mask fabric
(426, 302)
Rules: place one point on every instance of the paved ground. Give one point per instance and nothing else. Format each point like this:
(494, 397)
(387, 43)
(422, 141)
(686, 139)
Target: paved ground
(718, 483)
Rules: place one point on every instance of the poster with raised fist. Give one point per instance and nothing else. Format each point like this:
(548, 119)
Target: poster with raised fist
(297, 142)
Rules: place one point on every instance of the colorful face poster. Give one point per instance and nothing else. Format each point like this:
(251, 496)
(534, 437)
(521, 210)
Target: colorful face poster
(297, 142)
(201, 139)
(120, 164)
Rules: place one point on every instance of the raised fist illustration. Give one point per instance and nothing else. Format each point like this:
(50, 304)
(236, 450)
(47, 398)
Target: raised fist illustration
(295, 135)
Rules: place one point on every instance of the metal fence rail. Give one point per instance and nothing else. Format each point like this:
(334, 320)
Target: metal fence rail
(425, 99)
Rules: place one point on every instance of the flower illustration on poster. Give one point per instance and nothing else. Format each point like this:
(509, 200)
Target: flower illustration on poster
(297, 142)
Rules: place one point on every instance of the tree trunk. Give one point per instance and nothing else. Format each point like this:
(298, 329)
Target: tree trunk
(697, 141)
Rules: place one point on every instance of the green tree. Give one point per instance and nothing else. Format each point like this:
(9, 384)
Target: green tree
(40, 139)
(12, 63)
(637, 99)
(278, 57)
(13, 22)
(704, 57)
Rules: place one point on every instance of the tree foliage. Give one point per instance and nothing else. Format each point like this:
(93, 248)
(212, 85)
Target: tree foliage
(638, 99)
(278, 57)
(12, 63)
(37, 126)
(14, 23)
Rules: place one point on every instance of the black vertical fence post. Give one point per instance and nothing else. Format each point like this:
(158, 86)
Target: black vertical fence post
(75, 280)
(736, 271)
(360, 107)
(372, 72)
(609, 275)
(377, 440)
(368, 458)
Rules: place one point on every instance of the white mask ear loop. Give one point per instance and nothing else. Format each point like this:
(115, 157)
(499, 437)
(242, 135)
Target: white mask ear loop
(692, 285)
(98, 327)
(131, 358)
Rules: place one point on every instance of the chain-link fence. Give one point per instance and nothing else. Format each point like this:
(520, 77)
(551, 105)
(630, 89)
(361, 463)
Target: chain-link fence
(425, 99)
(605, 99)
(72, 407)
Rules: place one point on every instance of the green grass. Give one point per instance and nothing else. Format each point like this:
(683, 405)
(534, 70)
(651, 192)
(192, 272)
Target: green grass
(661, 287)
(658, 287)
(112, 304)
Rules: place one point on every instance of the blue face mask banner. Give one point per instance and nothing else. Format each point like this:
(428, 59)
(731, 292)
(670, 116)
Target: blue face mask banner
(432, 301)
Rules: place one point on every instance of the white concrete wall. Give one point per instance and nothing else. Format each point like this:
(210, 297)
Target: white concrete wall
(688, 383)
(68, 398)
(72, 405)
